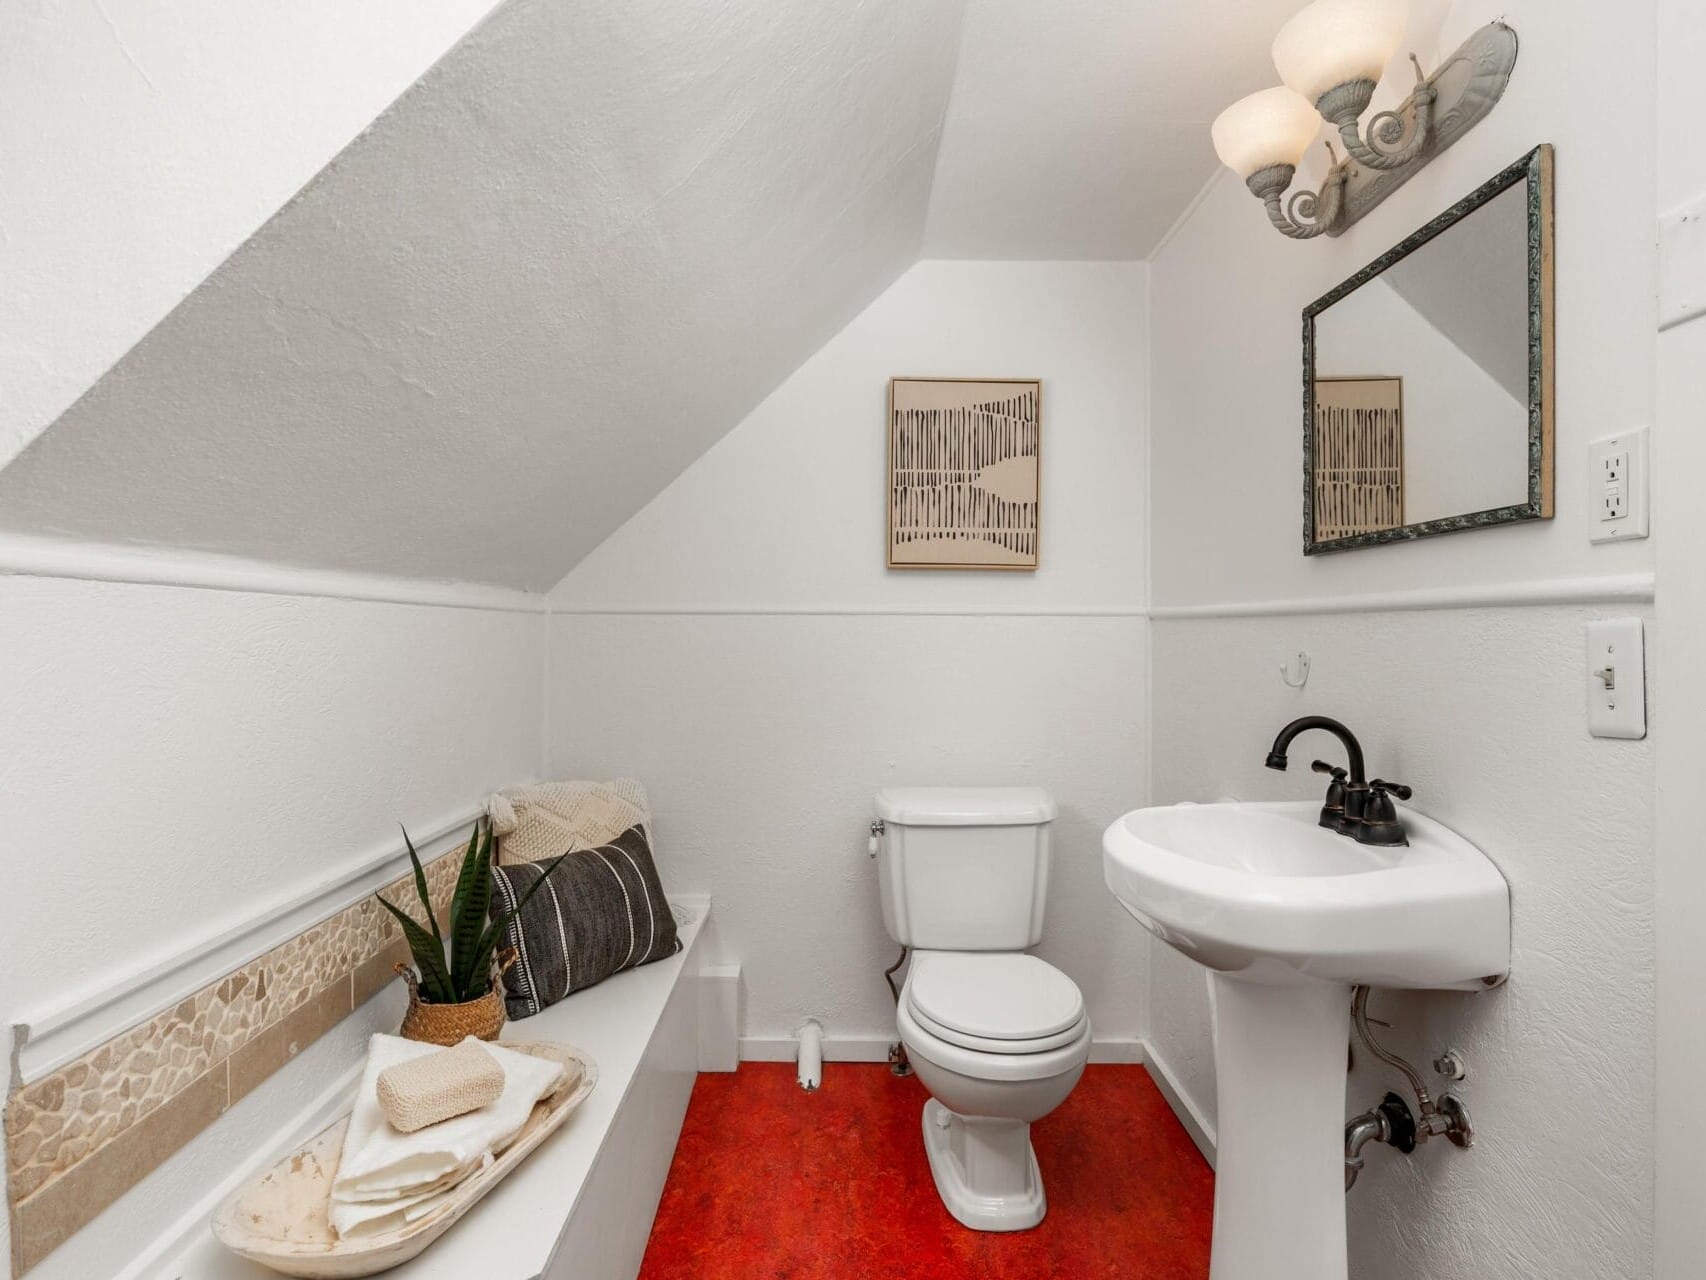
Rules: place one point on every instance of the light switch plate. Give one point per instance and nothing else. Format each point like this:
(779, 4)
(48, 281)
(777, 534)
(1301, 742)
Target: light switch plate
(1682, 264)
(1617, 678)
(1617, 487)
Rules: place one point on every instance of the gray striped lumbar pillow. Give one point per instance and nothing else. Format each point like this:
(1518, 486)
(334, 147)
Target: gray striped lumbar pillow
(602, 911)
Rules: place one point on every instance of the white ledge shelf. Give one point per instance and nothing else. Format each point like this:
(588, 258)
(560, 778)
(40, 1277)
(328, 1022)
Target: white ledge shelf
(582, 1205)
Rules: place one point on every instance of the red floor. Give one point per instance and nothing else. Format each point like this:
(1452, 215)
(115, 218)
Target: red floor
(770, 1182)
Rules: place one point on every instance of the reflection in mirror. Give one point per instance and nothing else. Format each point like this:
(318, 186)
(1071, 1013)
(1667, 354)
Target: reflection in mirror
(1428, 376)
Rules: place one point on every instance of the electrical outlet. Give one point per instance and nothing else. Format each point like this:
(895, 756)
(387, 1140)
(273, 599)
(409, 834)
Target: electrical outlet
(1617, 486)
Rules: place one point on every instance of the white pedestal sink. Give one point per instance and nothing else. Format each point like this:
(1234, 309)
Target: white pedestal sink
(1290, 916)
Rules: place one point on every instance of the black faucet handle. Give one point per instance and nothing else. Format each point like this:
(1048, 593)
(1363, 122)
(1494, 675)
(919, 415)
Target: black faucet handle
(1391, 788)
(1321, 766)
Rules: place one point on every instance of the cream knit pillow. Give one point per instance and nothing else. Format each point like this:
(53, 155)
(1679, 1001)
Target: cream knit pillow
(548, 818)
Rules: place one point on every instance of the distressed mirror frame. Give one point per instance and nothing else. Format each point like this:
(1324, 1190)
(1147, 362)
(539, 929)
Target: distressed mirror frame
(1534, 169)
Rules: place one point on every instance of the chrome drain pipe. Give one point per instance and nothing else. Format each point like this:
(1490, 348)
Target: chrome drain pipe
(1392, 1121)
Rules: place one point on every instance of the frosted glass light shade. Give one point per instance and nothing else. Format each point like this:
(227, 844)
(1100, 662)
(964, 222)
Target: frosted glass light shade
(1266, 128)
(1336, 41)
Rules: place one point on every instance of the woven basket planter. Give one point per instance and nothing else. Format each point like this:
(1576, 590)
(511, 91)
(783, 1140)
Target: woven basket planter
(451, 1024)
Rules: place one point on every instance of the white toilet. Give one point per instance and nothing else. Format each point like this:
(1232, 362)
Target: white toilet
(998, 1037)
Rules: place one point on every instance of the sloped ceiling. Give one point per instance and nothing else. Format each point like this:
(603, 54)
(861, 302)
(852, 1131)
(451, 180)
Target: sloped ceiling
(592, 238)
(1079, 128)
(142, 142)
(573, 255)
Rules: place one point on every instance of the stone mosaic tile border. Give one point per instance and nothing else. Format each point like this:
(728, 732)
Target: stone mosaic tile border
(83, 1135)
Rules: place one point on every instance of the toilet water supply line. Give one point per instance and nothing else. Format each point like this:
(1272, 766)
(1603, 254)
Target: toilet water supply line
(1392, 1122)
(899, 1063)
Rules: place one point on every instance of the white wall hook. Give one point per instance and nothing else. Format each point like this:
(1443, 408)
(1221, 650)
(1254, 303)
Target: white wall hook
(1301, 668)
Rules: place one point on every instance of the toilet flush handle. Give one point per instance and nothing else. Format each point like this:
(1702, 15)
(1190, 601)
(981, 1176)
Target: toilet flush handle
(876, 842)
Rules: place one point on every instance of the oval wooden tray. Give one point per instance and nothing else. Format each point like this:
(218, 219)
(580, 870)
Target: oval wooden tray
(280, 1219)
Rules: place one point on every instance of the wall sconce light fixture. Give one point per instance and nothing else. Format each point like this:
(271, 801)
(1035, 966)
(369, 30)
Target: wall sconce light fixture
(1330, 57)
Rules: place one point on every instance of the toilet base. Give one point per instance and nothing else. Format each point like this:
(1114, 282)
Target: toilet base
(985, 1170)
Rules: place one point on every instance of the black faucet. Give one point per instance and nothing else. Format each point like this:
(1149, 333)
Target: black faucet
(1355, 806)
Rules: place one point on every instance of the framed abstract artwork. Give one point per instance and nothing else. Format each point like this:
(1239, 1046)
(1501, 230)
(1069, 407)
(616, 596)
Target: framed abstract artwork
(964, 478)
(1359, 456)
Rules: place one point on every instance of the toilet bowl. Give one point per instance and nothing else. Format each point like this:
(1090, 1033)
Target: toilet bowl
(998, 1039)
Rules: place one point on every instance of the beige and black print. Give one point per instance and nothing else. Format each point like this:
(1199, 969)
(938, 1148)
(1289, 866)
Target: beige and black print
(963, 473)
(1359, 456)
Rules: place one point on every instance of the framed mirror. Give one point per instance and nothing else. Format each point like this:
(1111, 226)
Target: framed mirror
(1427, 376)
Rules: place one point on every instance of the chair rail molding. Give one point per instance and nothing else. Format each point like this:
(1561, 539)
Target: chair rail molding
(45, 1040)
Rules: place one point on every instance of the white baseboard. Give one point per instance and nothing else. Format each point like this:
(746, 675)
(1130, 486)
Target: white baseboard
(835, 1048)
(1196, 1124)
(1117, 1050)
(876, 1049)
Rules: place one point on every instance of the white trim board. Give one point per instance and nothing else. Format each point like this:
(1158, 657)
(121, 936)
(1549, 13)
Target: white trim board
(1201, 1131)
(843, 611)
(46, 1039)
(1630, 588)
(27, 556)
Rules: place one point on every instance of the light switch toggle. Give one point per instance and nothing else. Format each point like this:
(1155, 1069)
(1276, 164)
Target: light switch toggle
(1617, 678)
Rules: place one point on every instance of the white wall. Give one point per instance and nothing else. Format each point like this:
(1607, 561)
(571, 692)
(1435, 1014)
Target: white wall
(1680, 452)
(1465, 438)
(740, 646)
(177, 757)
(1481, 710)
(787, 509)
(142, 143)
(1229, 294)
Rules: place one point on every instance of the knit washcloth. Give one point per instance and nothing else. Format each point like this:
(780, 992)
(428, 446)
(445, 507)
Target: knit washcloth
(439, 1086)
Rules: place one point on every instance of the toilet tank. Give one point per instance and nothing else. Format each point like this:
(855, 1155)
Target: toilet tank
(964, 868)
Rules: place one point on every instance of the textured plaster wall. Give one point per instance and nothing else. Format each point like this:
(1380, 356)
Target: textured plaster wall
(575, 253)
(1228, 298)
(1680, 450)
(1481, 710)
(143, 142)
(178, 758)
(762, 733)
(762, 739)
(787, 510)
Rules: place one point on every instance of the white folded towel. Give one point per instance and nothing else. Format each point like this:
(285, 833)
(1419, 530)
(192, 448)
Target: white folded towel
(384, 1172)
(374, 1217)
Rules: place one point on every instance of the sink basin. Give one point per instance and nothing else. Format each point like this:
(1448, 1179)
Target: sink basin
(1261, 890)
(1288, 916)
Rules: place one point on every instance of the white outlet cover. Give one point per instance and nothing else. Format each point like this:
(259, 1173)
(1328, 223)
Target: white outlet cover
(1617, 707)
(1628, 483)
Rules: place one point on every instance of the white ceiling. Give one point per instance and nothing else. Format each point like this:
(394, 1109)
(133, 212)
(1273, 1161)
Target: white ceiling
(1079, 128)
(593, 237)
(142, 142)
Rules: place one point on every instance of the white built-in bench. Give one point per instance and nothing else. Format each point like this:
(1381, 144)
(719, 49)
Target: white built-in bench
(581, 1206)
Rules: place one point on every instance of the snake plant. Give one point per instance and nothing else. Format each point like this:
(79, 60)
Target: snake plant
(458, 968)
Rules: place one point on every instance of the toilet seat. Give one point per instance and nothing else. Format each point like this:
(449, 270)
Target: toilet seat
(1004, 1003)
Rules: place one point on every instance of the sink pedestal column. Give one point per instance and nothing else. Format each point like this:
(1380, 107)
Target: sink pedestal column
(1279, 1189)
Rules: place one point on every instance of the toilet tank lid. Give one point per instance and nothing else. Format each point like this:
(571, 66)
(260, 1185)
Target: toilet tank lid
(965, 806)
